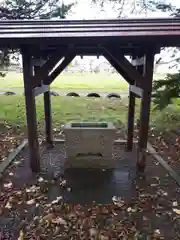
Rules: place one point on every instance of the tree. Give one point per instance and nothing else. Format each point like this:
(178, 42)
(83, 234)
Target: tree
(125, 8)
(30, 9)
(165, 90)
(33, 9)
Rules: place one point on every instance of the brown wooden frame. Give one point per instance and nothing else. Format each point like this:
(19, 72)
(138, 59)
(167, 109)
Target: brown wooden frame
(140, 39)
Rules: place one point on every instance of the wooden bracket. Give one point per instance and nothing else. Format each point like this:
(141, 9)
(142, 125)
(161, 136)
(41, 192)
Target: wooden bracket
(125, 67)
(66, 61)
(44, 70)
(118, 68)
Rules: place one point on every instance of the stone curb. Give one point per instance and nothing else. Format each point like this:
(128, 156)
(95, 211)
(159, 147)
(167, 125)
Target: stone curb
(163, 163)
(12, 156)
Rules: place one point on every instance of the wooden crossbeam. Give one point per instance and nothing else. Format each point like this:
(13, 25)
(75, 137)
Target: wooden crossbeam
(118, 68)
(132, 75)
(66, 61)
(136, 90)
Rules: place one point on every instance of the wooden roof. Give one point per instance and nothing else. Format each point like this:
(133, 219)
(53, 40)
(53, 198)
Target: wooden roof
(165, 31)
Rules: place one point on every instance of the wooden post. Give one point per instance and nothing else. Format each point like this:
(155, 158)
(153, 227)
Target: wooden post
(131, 111)
(145, 112)
(31, 113)
(47, 108)
(48, 119)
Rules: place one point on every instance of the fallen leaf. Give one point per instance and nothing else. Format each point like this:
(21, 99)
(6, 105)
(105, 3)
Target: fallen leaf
(133, 210)
(58, 199)
(8, 205)
(63, 183)
(8, 185)
(145, 218)
(129, 209)
(40, 179)
(154, 185)
(118, 201)
(157, 232)
(21, 235)
(103, 237)
(48, 217)
(175, 204)
(177, 211)
(30, 202)
(93, 232)
(32, 189)
(59, 221)
(57, 230)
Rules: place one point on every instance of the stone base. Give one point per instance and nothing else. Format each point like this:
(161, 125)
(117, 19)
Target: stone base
(89, 145)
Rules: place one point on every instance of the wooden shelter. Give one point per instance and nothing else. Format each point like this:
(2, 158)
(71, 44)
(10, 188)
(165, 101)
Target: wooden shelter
(49, 46)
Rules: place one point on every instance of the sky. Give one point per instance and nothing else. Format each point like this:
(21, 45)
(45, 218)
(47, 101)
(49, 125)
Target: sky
(86, 10)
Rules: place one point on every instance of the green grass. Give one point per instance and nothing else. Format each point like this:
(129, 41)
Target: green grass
(88, 81)
(167, 119)
(64, 109)
(76, 81)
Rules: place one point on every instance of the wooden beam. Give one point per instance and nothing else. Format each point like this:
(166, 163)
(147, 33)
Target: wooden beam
(136, 90)
(131, 72)
(30, 112)
(118, 68)
(145, 112)
(40, 90)
(66, 61)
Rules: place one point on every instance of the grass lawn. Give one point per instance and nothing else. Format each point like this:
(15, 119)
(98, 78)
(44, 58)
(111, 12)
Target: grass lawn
(64, 109)
(76, 81)
(88, 81)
